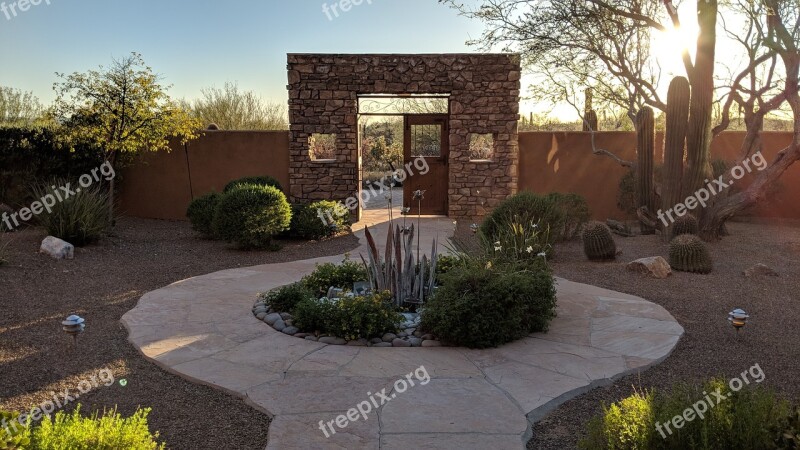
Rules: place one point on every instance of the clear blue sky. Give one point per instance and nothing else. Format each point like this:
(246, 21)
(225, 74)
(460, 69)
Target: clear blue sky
(201, 43)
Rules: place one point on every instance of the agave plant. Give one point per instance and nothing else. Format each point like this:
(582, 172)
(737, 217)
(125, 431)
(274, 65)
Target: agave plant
(396, 271)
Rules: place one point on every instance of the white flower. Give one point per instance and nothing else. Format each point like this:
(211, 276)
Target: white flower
(498, 248)
(536, 225)
(530, 249)
(542, 254)
(497, 243)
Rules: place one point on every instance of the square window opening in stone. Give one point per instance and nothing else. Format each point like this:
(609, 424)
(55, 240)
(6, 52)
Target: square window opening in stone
(322, 147)
(481, 147)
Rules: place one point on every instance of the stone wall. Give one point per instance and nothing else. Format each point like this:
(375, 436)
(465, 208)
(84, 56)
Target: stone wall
(484, 98)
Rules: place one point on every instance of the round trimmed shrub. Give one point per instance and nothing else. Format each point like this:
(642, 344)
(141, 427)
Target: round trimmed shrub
(318, 220)
(201, 213)
(286, 298)
(261, 181)
(525, 207)
(251, 215)
(481, 307)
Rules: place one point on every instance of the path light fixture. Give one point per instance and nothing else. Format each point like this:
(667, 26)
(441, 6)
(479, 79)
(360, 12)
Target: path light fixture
(738, 318)
(73, 326)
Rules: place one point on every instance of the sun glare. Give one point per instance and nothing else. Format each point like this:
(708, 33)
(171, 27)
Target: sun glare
(668, 47)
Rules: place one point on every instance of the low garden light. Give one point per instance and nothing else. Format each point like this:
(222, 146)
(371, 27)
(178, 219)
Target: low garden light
(738, 318)
(73, 326)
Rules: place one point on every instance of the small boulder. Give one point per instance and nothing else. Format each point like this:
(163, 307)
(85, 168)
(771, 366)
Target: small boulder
(291, 331)
(286, 316)
(389, 337)
(400, 343)
(760, 269)
(415, 342)
(279, 325)
(57, 248)
(270, 319)
(376, 341)
(655, 266)
(261, 315)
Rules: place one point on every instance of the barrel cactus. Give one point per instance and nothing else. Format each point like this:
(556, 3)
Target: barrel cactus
(598, 243)
(686, 224)
(688, 253)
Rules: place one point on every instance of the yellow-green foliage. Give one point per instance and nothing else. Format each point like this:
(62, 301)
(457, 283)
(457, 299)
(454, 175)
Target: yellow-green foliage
(627, 424)
(12, 435)
(109, 432)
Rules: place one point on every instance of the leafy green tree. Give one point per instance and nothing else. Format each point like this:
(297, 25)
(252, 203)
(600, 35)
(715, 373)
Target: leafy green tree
(123, 109)
(233, 109)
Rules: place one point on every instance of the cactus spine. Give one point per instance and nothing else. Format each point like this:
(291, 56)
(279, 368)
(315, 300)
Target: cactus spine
(688, 253)
(674, 144)
(598, 243)
(645, 149)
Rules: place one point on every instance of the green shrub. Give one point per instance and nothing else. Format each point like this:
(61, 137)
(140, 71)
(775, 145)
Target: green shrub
(314, 315)
(486, 305)
(13, 435)
(349, 318)
(318, 220)
(251, 215)
(284, 299)
(261, 181)
(564, 215)
(109, 432)
(80, 219)
(201, 213)
(330, 275)
(575, 213)
(519, 241)
(788, 432)
(364, 317)
(745, 419)
(446, 263)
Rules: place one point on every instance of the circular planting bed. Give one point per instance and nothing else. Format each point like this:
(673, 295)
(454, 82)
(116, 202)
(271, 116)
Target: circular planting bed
(410, 336)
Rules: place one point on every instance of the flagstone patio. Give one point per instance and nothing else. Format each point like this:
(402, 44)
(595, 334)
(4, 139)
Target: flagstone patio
(203, 329)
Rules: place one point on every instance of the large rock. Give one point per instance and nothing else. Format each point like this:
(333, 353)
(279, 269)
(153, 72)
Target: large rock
(57, 248)
(655, 266)
(760, 269)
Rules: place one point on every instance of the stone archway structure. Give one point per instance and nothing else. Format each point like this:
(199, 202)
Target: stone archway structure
(484, 92)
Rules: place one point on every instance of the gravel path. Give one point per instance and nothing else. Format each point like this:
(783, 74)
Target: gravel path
(700, 303)
(101, 284)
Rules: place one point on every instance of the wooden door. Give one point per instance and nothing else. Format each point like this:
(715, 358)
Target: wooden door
(426, 136)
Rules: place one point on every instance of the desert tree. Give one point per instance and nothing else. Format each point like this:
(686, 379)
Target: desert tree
(123, 109)
(18, 108)
(231, 108)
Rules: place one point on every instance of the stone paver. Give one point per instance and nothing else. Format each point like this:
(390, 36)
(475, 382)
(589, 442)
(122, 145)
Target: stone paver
(203, 330)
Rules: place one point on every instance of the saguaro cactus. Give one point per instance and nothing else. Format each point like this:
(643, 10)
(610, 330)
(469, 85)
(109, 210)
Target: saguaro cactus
(674, 145)
(590, 122)
(645, 148)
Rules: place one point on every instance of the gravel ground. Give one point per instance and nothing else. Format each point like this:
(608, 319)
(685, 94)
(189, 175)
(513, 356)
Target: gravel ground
(101, 284)
(700, 303)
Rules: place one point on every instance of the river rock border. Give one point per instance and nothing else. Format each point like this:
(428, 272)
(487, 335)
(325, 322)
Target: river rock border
(411, 336)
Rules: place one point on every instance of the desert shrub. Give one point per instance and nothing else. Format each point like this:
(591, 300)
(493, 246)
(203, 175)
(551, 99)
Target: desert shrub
(364, 317)
(626, 193)
(251, 215)
(201, 213)
(330, 275)
(519, 241)
(314, 315)
(318, 220)
(742, 419)
(3, 252)
(284, 299)
(575, 213)
(486, 305)
(787, 433)
(80, 219)
(13, 435)
(446, 263)
(107, 432)
(260, 181)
